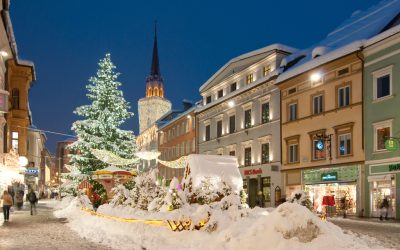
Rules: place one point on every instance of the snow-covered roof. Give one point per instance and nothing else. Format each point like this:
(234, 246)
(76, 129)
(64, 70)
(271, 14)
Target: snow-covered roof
(382, 36)
(201, 107)
(255, 55)
(219, 168)
(345, 39)
(177, 117)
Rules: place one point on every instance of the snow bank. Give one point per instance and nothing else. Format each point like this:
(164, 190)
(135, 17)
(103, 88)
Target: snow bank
(290, 226)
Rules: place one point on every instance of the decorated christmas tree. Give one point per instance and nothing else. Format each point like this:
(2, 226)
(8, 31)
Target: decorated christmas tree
(100, 128)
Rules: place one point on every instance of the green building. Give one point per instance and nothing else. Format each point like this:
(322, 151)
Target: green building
(382, 122)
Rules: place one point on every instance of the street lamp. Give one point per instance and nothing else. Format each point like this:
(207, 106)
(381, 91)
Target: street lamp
(22, 161)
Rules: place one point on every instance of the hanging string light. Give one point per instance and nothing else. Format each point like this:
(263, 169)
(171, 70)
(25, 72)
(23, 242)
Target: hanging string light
(179, 163)
(111, 158)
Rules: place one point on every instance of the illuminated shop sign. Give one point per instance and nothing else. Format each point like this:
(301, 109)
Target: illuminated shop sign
(32, 171)
(253, 171)
(329, 176)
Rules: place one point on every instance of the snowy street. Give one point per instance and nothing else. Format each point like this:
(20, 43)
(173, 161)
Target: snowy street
(387, 232)
(44, 231)
(41, 231)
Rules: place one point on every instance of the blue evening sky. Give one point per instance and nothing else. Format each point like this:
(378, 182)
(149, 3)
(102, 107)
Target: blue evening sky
(66, 38)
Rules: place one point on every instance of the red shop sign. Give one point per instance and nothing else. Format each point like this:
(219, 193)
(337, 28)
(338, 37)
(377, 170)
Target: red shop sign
(253, 171)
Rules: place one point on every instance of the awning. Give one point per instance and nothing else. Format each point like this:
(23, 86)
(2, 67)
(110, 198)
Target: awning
(384, 177)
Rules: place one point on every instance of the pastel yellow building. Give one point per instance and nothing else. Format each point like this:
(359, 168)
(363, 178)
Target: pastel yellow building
(19, 78)
(322, 132)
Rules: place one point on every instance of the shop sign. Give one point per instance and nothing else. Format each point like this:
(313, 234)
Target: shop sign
(32, 172)
(394, 167)
(391, 144)
(104, 176)
(329, 176)
(253, 171)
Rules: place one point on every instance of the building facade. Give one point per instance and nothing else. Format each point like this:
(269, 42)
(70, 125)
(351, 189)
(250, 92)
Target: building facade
(382, 123)
(62, 156)
(322, 139)
(154, 105)
(36, 144)
(240, 116)
(176, 138)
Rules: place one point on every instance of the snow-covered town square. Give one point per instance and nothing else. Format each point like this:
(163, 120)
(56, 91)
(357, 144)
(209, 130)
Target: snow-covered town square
(263, 125)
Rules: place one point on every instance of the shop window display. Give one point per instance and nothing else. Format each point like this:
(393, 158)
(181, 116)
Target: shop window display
(380, 190)
(334, 198)
(266, 189)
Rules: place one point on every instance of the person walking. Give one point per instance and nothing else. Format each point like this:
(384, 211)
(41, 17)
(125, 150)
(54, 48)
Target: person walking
(7, 203)
(19, 197)
(384, 208)
(260, 199)
(32, 198)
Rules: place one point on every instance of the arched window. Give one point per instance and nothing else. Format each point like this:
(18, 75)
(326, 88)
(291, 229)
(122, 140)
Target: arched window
(155, 91)
(15, 98)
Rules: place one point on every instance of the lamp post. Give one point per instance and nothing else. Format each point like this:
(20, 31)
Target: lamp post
(59, 178)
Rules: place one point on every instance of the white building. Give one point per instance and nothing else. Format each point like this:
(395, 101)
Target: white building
(36, 144)
(240, 116)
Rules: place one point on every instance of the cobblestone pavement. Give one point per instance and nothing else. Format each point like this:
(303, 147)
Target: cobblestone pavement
(387, 232)
(41, 231)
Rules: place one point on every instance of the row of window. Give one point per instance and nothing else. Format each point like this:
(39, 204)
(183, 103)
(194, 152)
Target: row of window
(234, 86)
(177, 131)
(247, 154)
(343, 95)
(265, 118)
(319, 149)
(179, 150)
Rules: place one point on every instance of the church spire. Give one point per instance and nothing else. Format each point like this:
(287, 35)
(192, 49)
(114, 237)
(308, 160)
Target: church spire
(155, 66)
(155, 83)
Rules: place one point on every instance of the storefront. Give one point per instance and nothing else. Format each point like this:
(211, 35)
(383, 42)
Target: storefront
(383, 181)
(262, 179)
(333, 190)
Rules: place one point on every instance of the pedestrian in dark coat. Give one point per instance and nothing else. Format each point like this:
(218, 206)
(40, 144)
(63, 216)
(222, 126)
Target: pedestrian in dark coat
(32, 198)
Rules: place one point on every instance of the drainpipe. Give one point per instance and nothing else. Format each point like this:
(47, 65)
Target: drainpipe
(362, 170)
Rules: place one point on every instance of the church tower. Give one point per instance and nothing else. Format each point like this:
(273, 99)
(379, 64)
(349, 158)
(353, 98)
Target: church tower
(154, 105)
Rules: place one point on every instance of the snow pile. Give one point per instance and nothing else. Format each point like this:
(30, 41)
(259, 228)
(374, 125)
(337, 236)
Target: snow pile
(218, 170)
(290, 226)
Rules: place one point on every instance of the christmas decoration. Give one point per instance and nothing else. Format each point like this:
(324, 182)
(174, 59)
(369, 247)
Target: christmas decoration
(103, 117)
(179, 163)
(112, 159)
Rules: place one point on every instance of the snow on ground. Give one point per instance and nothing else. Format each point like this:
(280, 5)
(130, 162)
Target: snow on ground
(290, 226)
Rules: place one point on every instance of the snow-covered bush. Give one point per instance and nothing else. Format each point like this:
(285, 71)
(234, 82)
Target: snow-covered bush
(229, 201)
(169, 200)
(301, 198)
(206, 193)
(120, 195)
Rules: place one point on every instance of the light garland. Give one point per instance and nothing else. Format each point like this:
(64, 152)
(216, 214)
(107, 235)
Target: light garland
(179, 163)
(148, 155)
(111, 158)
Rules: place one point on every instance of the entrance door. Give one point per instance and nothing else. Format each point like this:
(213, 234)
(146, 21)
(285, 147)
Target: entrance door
(252, 192)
